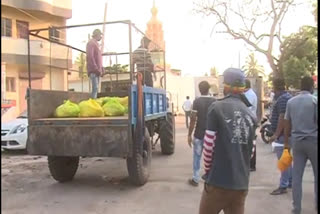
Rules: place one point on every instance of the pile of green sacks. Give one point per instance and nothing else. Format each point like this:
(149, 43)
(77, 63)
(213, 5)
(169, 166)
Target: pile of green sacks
(103, 106)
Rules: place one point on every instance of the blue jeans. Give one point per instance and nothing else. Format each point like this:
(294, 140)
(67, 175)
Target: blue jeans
(95, 84)
(197, 153)
(286, 176)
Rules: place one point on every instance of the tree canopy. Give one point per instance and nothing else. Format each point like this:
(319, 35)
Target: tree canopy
(82, 63)
(299, 55)
(243, 19)
(116, 68)
(252, 68)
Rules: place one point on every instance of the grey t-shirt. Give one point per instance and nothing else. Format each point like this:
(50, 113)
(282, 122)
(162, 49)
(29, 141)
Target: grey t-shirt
(302, 111)
(201, 105)
(235, 125)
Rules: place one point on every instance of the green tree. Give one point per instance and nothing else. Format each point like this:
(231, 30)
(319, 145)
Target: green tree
(315, 11)
(252, 68)
(117, 68)
(299, 55)
(81, 61)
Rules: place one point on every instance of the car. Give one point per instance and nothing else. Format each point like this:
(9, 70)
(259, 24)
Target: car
(14, 133)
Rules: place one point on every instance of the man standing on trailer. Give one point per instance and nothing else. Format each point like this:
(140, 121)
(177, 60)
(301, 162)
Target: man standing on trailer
(142, 59)
(94, 61)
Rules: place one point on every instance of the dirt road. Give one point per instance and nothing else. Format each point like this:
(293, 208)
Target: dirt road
(101, 186)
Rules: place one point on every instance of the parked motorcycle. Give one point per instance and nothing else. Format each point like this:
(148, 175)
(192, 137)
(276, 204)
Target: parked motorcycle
(265, 130)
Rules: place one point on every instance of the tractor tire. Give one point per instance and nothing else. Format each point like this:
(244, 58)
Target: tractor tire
(167, 135)
(139, 164)
(63, 168)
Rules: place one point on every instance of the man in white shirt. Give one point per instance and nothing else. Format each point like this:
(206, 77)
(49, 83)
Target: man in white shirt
(187, 107)
(252, 98)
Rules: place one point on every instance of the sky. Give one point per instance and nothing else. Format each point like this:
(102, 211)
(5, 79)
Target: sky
(190, 43)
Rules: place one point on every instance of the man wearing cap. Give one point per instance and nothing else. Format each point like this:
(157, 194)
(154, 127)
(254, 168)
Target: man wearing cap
(142, 59)
(94, 61)
(228, 146)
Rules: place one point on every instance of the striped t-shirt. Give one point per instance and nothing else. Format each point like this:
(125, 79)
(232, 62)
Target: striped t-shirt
(279, 107)
(142, 59)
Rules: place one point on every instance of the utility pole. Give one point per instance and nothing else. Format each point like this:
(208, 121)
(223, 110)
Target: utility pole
(104, 26)
(103, 36)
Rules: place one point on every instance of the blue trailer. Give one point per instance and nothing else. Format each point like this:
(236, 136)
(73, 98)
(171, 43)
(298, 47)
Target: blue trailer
(64, 140)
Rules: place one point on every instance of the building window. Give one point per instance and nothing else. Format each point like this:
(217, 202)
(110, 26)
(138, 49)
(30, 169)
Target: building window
(10, 84)
(54, 34)
(22, 29)
(6, 27)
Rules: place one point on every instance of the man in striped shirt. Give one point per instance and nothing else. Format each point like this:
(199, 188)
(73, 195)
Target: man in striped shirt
(142, 59)
(277, 125)
(230, 132)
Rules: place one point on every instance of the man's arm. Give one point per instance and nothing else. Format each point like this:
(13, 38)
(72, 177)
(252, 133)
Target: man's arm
(287, 126)
(209, 139)
(208, 149)
(282, 106)
(287, 131)
(280, 126)
(193, 121)
(151, 65)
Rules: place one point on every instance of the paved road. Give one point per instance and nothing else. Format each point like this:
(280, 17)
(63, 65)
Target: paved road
(101, 186)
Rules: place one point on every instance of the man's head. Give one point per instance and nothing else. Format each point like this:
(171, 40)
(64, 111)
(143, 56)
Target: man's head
(278, 85)
(145, 42)
(204, 87)
(187, 97)
(97, 34)
(248, 84)
(307, 84)
(234, 81)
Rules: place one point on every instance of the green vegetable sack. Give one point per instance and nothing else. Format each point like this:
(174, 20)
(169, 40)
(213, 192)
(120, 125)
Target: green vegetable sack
(99, 101)
(113, 108)
(107, 99)
(126, 110)
(103, 100)
(67, 109)
(90, 108)
(123, 101)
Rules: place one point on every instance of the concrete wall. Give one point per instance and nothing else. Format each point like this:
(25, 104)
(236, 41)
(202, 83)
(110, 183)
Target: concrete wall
(257, 85)
(62, 8)
(39, 20)
(39, 14)
(213, 81)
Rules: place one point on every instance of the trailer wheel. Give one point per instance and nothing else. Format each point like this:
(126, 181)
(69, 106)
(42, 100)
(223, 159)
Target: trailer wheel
(62, 168)
(167, 135)
(139, 164)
